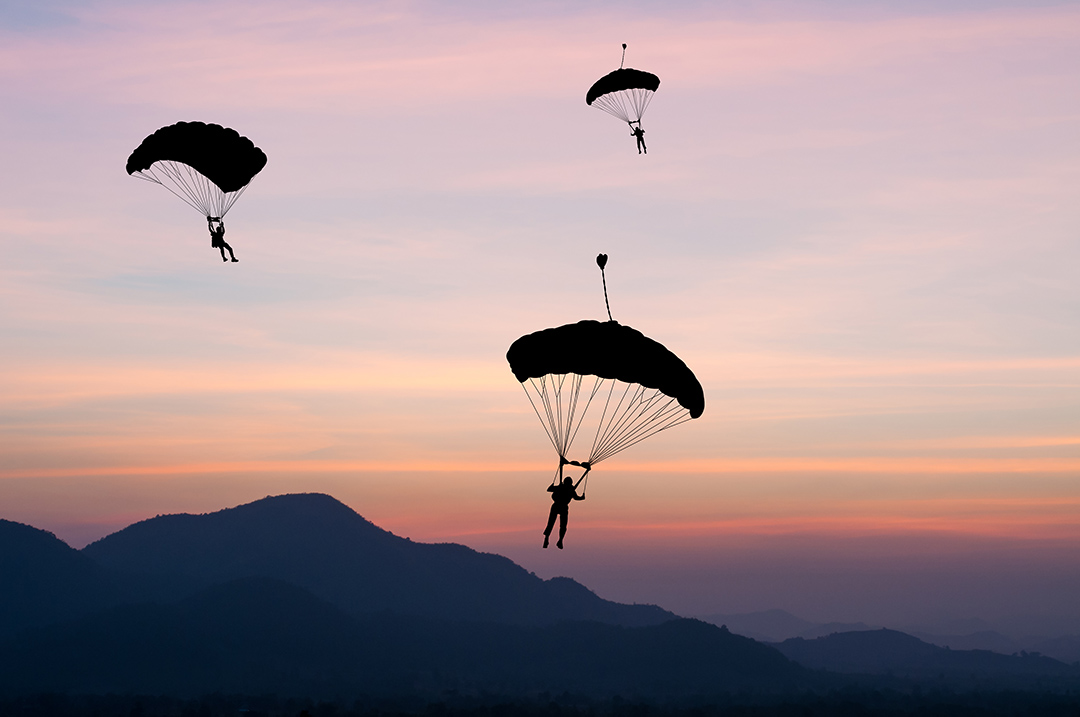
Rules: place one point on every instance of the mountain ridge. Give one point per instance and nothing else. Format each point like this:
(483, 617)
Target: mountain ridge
(314, 541)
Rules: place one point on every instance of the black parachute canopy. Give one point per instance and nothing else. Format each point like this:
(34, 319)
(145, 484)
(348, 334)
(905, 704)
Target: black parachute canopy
(609, 350)
(218, 153)
(622, 79)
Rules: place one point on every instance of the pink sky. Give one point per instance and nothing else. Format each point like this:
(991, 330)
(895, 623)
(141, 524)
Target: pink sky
(858, 226)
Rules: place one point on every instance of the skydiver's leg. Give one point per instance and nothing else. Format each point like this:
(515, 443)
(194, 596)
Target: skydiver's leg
(221, 248)
(224, 246)
(563, 515)
(551, 523)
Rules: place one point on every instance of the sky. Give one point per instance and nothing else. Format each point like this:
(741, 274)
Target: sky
(857, 223)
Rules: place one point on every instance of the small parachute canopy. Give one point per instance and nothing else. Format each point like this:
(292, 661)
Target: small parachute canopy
(206, 165)
(624, 93)
(644, 387)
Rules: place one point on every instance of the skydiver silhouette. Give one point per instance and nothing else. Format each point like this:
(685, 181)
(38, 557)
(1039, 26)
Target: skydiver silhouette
(640, 135)
(217, 237)
(561, 495)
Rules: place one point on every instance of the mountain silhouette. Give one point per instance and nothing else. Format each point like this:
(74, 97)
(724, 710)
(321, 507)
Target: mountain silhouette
(263, 636)
(43, 579)
(316, 542)
(764, 625)
(888, 652)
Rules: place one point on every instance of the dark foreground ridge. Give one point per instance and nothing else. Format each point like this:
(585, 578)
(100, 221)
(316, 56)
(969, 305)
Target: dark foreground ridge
(300, 598)
(262, 636)
(837, 703)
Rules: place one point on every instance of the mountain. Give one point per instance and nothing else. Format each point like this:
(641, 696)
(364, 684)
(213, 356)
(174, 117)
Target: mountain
(829, 628)
(765, 625)
(984, 640)
(265, 636)
(957, 634)
(45, 580)
(315, 542)
(1065, 648)
(888, 652)
(779, 625)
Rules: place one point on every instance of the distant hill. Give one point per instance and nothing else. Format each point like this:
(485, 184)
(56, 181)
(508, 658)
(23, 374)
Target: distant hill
(765, 625)
(888, 652)
(315, 542)
(957, 634)
(44, 580)
(779, 625)
(264, 636)
(983, 640)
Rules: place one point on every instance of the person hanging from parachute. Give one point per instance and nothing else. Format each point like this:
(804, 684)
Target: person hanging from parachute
(640, 135)
(217, 237)
(643, 387)
(625, 94)
(562, 492)
(208, 166)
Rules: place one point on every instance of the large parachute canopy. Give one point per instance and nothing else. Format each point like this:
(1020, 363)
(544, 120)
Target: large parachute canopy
(639, 387)
(624, 93)
(206, 165)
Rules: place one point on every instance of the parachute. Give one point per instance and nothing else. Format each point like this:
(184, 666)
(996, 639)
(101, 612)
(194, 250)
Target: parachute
(206, 165)
(643, 387)
(624, 93)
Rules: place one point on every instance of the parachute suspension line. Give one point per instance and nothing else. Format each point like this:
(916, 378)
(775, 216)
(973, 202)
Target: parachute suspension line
(600, 425)
(571, 427)
(634, 418)
(605, 430)
(559, 413)
(552, 423)
(592, 394)
(151, 177)
(560, 417)
(628, 105)
(552, 400)
(231, 198)
(193, 188)
(663, 417)
(535, 410)
(623, 56)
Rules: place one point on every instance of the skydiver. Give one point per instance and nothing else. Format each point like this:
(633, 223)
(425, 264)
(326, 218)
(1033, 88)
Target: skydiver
(217, 237)
(561, 495)
(640, 135)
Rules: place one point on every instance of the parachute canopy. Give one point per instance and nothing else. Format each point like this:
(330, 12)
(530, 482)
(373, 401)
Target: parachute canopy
(206, 165)
(624, 93)
(658, 390)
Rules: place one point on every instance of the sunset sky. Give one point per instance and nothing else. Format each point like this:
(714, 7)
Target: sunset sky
(858, 223)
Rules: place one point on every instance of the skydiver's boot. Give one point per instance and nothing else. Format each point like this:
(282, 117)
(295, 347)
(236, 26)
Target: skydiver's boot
(559, 544)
